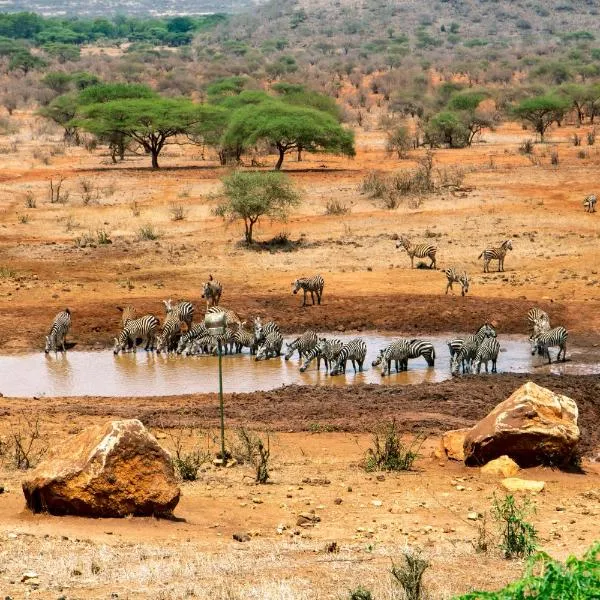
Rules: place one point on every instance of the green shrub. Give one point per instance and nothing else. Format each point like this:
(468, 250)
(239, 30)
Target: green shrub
(147, 232)
(409, 576)
(519, 537)
(360, 593)
(389, 453)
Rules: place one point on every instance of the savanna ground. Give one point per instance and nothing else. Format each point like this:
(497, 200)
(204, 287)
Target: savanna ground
(319, 435)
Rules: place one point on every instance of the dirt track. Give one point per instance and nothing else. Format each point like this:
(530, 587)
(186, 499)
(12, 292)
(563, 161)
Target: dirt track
(431, 408)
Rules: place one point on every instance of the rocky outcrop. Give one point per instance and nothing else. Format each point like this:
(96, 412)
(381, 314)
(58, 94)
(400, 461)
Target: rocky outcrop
(110, 470)
(533, 426)
(451, 444)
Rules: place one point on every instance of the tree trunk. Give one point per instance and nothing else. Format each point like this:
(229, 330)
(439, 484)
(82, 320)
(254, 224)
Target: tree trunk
(280, 160)
(154, 153)
(299, 153)
(248, 234)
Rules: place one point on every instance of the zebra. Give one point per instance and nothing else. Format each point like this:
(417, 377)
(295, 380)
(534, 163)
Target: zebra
(262, 331)
(231, 316)
(455, 345)
(455, 277)
(589, 203)
(270, 346)
(144, 327)
(243, 338)
(127, 312)
(314, 285)
(498, 254)
(418, 250)
(354, 350)
(167, 337)
(465, 356)
(58, 331)
(547, 339)
(211, 291)
(197, 330)
(397, 351)
(538, 320)
(182, 311)
(422, 348)
(326, 349)
(303, 344)
(488, 350)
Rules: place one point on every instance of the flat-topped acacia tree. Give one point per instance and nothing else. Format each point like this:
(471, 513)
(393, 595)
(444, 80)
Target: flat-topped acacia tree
(542, 111)
(288, 127)
(149, 121)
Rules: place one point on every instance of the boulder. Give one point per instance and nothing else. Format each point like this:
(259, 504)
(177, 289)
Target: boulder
(514, 484)
(451, 444)
(533, 426)
(111, 470)
(501, 467)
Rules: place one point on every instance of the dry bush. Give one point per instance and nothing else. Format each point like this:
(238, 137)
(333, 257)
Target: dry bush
(188, 455)
(57, 194)
(178, 213)
(409, 576)
(251, 449)
(526, 146)
(147, 233)
(374, 184)
(25, 445)
(336, 207)
(30, 201)
(591, 137)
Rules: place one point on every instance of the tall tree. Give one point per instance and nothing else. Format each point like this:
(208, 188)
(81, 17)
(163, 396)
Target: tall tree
(542, 111)
(467, 106)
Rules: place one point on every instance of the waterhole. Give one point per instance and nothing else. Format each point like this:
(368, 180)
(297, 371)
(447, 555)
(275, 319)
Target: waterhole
(147, 374)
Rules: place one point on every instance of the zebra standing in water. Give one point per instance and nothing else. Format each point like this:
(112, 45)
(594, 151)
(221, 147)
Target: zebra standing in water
(303, 344)
(326, 349)
(243, 338)
(185, 341)
(418, 250)
(314, 285)
(270, 346)
(145, 327)
(262, 331)
(397, 351)
(168, 336)
(212, 291)
(455, 346)
(355, 350)
(487, 351)
(231, 316)
(544, 340)
(498, 254)
(182, 311)
(414, 348)
(589, 203)
(454, 276)
(58, 331)
(538, 320)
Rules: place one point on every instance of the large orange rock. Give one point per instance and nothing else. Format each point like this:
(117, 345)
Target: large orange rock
(451, 444)
(110, 470)
(533, 426)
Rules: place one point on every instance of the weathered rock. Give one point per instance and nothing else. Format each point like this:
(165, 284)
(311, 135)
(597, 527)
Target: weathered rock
(451, 444)
(533, 426)
(241, 537)
(110, 470)
(501, 467)
(514, 484)
(307, 520)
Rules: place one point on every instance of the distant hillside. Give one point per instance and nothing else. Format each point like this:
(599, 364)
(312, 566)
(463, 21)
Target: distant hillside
(92, 8)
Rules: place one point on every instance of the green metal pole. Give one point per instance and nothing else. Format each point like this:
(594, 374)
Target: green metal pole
(223, 457)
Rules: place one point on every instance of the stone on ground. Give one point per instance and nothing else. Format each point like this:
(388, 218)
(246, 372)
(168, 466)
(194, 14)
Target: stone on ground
(533, 426)
(514, 484)
(111, 470)
(501, 467)
(451, 444)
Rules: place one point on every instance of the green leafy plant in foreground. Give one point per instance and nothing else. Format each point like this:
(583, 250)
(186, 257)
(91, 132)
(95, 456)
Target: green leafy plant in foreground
(546, 578)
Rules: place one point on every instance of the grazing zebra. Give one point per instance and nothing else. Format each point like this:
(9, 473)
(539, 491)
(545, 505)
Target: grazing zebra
(183, 311)
(186, 339)
(397, 351)
(488, 350)
(589, 203)
(422, 348)
(455, 345)
(262, 331)
(168, 336)
(58, 331)
(303, 344)
(270, 346)
(465, 356)
(127, 313)
(212, 291)
(145, 327)
(538, 320)
(547, 339)
(326, 349)
(354, 350)
(314, 285)
(498, 254)
(455, 277)
(243, 338)
(418, 250)
(231, 317)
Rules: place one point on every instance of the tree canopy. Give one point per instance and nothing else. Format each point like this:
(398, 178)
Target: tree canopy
(541, 111)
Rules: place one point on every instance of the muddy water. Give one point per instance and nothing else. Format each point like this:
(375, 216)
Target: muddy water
(146, 374)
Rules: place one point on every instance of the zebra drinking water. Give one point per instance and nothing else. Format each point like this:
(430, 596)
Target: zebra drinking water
(182, 311)
(186, 339)
(542, 341)
(397, 351)
(303, 344)
(314, 285)
(454, 276)
(326, 349)
(418, 250)
(145, 327)
(487, 351)
(355, 350)
(538, 320)
(270, 346)
(58, 331)
(498, 254)
(165, 342)
(455, 347)
(211, 291)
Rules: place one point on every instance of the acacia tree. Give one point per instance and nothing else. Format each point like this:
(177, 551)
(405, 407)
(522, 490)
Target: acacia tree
(251, 195)
(62, 111)
(467, 107)
(151, 122)
(542, 111)
(288, 127)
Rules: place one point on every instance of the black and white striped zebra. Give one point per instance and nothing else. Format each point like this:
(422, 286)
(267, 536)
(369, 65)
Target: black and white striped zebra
(127, 313)
(314, 285)
(262, 330)
(326, 349)
(355, 350)
(186, 339)
(243, 338)
(398, 351)
(270, 347)
(488, 351)
(167, 339)
(231, 316)
(465, 356)
(498, 254)
(58, 331)
(589, 203)
(303, 344)
(422, 348)
(418, 250)
(183, 311)
(211, 291)
(538, 320)
(549, 339)
(455, 346)
(454, 276)
(145, 327)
